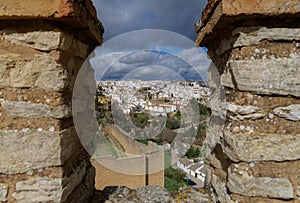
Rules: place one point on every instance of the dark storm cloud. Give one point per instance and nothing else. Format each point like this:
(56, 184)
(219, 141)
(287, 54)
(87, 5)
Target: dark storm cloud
(120, 16)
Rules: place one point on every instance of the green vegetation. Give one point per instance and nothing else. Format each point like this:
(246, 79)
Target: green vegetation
(144, 89)
(145, 142)
(167, 159)
(201, 134)
(99, 91)
(204, 113)
(193, 153)
(174, 179)
(173, 120)
(140, 119)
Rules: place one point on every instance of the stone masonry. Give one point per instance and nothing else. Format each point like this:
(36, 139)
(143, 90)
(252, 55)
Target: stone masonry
(255, 46)
(42, 47)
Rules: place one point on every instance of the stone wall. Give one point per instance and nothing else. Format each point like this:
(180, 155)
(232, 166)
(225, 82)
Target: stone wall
(110, 172)
(255, 48)
(42, 47)
(140, 165)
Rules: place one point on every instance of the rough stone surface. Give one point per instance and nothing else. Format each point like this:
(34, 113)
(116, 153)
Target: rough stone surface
(264, 7)
(74, 180)
(228, 13)
(40, 189)
(255, 47)
(86, 189)
(191, 195)
(277, 76)
(247, 36)
(218, 106)
(291, 112)
(214, 161)
(151, 194)
(44, 41)
(261, 147)
(45, 189)
(48, 41)
(260, 186)
(79, 14)
(245, 112)
(29, 110)
(120, 194)
(3, 192)
(221, 190)
(42, 46)
(31, 149)
(43, 72)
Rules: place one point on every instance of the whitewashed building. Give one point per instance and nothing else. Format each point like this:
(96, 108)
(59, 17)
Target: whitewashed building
(198, 171)
(184, 163)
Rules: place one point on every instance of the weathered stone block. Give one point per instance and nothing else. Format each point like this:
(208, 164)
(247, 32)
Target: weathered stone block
(79, 14)
(48, 41)
(220, 187)
(43, 41)
(30, 149)
(45, 189)
(40, 189)
(37, 196)
(152, 193)
(245, 112)
(264, 7)
(229, 12)
(30, 110)
(291, 112)
(255, 146)
(39, 183)
(42, 72)
(259, 186)
(277, 76)
(246, 36)
(3, 192)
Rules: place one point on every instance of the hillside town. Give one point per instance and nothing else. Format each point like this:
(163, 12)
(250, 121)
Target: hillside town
(151, 96)
(144, 102)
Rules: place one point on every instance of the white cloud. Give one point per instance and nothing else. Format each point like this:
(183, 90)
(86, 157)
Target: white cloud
(190, 64)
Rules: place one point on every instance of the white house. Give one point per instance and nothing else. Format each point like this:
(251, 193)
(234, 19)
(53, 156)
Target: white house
(184, 163)
(198, 171)
(201, 173)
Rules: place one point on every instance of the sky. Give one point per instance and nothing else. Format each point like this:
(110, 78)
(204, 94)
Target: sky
(149, 39)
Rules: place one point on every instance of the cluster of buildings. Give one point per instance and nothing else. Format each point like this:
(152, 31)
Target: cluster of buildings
(153, 96)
